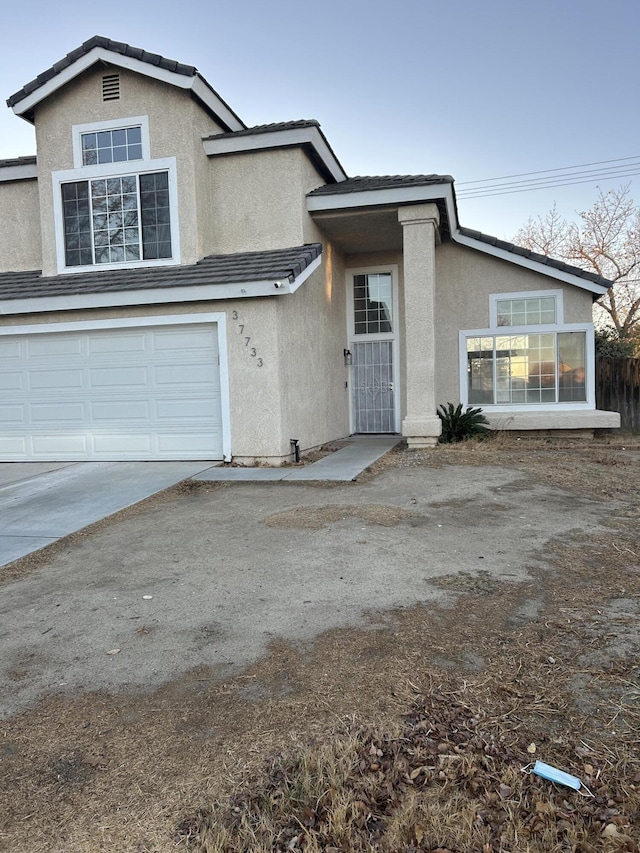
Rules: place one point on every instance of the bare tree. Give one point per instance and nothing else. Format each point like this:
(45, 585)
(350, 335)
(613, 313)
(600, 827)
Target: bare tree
(605, 241)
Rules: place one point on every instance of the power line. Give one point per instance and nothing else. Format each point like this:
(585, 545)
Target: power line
(596, 173)
(545, 171)
(525, 189)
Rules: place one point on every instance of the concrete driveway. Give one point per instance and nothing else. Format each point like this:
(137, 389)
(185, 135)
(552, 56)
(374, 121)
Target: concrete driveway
(205, 579)
(41, 502)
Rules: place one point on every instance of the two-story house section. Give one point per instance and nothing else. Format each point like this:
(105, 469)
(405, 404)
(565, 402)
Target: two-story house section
(177, 285)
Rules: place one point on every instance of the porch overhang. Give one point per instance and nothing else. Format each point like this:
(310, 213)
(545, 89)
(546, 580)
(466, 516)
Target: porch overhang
(360, 216)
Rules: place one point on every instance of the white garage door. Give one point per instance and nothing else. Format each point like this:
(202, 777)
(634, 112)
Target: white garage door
(150, 392)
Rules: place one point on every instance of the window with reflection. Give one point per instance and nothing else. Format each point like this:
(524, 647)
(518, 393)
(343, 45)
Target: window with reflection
(527, 368)
(117, 219)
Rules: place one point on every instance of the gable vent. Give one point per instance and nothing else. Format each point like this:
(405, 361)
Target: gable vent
(111, 87)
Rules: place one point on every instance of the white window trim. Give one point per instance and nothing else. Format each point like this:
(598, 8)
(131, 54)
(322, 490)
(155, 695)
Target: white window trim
(219, 318)
(378, 336)
(590, 384)
(109, 170)
(115, 124)
(494, 298)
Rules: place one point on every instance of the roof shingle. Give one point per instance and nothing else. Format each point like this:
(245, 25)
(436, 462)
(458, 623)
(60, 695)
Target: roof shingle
(127, 50)
(273, 127)
(214, 269)
(534, 256)
(108, 44)
(18, 161)
(364, 183)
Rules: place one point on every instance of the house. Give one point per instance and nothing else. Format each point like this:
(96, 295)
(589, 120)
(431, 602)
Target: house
(177, 285)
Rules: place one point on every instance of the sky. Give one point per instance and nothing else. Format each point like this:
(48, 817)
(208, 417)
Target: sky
(474, 90)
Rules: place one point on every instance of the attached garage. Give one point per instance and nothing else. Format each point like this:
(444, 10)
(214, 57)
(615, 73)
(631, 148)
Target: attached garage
(136, 388)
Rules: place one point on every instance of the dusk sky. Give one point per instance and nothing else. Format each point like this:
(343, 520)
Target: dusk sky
(475, 90)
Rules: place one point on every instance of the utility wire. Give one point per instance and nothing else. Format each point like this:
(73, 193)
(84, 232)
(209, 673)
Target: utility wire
(488, 191)
(544, 171)
(596, 173)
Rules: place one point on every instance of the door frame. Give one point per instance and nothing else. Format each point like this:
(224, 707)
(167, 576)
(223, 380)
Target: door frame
(218, 318)
(394, 336)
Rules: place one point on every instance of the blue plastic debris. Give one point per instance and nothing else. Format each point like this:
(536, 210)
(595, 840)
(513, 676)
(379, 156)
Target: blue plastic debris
(546, 771)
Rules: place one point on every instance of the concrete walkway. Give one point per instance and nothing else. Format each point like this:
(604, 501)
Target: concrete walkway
(42, 502)
(341, 466)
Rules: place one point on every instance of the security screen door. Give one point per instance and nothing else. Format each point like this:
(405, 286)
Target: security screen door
(372, 353)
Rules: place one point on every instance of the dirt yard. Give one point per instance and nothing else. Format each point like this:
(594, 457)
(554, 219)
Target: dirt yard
(394, 709)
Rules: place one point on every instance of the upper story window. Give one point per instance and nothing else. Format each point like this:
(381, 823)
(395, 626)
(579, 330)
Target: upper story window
(117, 219)
(528, 357)
(118, 207)
(111, 146)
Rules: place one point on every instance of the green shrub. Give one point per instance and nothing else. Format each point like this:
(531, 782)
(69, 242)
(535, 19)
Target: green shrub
(458, 425)
(616, 344)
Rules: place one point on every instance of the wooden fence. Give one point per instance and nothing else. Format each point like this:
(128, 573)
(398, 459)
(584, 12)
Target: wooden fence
(618, 389)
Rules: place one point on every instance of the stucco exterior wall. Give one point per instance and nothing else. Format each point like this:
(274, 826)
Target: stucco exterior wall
(464, 281)
(258, 201)
(20, 244)
(176, 127)
(311, 338)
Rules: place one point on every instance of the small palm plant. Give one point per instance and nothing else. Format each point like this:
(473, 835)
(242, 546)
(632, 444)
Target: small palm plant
(458, 425)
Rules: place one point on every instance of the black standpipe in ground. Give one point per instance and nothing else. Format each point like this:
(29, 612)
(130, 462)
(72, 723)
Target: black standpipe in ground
(295, 448)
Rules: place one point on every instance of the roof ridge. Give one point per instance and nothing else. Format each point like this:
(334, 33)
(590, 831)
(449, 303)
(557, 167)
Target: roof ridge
(124, 49)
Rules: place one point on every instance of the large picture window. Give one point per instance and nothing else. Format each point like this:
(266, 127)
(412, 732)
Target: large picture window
(525, 369)
(528, 357)
(117, 219)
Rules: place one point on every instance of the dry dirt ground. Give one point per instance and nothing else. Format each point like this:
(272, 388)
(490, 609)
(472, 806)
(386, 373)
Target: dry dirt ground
(405, 730)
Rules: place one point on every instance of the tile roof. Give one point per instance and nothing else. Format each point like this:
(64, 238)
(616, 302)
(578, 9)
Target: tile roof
(274, 127)
(123, 49)
(534, 256)
(18, 161)
(214, 269)
(381, 182)
(108, 44)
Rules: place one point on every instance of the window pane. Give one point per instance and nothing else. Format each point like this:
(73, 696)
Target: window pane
(134, 152)
(572, 367)
(77, 232)
(480, 370)
(134, 134)
(154, 213)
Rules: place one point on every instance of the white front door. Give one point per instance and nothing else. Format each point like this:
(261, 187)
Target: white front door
(372, 343)
(141, 392)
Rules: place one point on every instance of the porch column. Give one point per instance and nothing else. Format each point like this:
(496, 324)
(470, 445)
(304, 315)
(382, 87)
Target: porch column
(421, 426)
